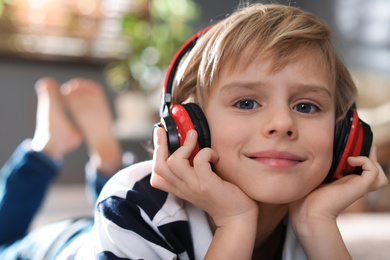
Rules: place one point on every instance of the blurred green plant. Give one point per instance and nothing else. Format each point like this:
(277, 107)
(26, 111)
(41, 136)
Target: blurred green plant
(2, 5)
(155, 32)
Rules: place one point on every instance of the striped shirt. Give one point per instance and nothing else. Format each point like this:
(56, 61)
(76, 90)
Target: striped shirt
(133, 220)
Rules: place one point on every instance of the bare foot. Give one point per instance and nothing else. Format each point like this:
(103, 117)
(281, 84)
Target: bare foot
(55, 135)
(91, 112)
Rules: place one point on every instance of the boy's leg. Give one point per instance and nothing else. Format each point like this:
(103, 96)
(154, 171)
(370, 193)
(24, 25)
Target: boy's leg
(28, 173)
(55, 134)
(90, 110)
(24, 180)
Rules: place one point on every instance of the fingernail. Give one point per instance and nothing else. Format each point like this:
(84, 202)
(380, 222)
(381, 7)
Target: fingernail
(156, 135)
(40, 84)
(190, 133)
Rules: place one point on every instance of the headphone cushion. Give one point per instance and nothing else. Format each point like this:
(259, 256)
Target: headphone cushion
(172, 135)
(352, 137)
(200, 124)
(341, 134)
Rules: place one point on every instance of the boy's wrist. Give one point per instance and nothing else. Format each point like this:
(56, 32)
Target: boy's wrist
(249, 217)
(321, 239)
(234, 238)
(313, 227)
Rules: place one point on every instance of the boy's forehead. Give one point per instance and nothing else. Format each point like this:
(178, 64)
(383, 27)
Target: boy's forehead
(271, 65)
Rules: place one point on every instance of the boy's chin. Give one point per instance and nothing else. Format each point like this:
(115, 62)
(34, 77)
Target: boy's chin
(279, 198)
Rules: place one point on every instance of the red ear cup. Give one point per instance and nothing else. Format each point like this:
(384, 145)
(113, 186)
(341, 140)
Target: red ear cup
(180, 120)
(353, 137)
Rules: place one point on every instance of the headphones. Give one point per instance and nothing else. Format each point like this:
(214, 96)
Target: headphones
(352, 136)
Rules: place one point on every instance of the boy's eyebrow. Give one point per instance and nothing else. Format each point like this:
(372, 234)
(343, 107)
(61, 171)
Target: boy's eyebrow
(314, 88)
(238, 85)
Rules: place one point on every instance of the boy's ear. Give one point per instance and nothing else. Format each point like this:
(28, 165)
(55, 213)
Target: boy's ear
(352, 137)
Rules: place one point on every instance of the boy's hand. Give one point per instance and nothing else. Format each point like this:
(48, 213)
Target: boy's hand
(314, 217)
(330, 199)
(197, 183)
(233, 212)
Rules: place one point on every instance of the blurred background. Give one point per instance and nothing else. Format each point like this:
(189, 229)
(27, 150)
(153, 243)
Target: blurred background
(126, 46)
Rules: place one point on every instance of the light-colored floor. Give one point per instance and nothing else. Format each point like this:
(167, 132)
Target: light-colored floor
(367, 235)
(64, 201)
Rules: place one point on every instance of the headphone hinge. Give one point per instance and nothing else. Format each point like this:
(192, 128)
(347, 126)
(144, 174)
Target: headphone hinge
(165, 102)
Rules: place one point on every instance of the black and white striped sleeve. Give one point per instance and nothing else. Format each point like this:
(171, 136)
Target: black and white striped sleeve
(136, 221)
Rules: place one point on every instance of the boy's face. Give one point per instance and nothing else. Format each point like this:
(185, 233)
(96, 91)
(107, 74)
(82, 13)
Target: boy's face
(273, 132)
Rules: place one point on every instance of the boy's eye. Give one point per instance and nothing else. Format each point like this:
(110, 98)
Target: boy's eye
(247, 104)
(305, 108)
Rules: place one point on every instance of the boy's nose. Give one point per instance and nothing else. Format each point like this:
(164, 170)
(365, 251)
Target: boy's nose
(280, 123)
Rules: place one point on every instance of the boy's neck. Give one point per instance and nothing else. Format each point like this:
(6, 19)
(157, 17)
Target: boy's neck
(270, 215)
(269, 230)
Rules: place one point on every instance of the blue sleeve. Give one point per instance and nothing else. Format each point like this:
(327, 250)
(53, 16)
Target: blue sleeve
(24, 181)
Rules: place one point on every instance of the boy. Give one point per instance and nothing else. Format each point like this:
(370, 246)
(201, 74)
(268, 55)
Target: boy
(272, 89)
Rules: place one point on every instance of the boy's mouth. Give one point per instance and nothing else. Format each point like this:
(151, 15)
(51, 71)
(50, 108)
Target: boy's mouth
(277, 159)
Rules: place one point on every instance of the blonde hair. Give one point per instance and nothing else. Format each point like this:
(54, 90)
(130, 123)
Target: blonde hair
(269, 31)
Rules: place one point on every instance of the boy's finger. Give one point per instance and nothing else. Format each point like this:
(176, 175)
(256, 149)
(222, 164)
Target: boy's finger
(373, 154)
(160, 152)
(179, 160)
(161, 173)
(382, 180)
(372, 171)
(190, 137)
(203, 159)
(188, 145)
(159, 182)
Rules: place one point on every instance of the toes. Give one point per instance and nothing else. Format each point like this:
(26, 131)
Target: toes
(46, 84)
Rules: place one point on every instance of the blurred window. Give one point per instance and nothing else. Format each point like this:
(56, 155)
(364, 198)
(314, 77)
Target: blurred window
(65, 29)
(364, 26)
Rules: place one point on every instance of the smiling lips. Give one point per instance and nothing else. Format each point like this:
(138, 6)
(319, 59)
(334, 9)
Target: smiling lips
(276, 159)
